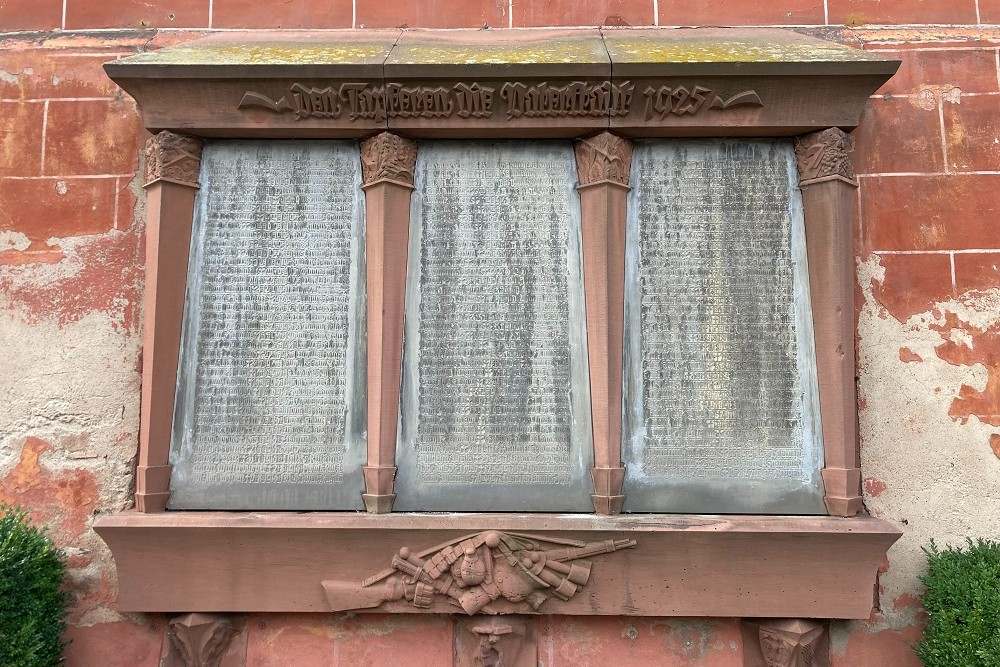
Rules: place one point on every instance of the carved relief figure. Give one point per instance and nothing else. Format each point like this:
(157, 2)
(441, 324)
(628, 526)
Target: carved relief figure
(473, 571)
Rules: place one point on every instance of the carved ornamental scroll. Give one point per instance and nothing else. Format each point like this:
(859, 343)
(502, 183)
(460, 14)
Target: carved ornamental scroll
(475, 571)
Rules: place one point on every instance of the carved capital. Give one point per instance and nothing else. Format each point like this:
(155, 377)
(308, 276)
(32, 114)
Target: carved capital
(388, 156)
(173, 157)
(198, 640)
(823, 154)
(490, 572)
(605, 157)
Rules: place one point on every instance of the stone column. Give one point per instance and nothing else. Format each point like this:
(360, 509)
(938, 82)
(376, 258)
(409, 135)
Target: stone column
(387, 162)
(828, 195)
(603, 163)
(172, 165)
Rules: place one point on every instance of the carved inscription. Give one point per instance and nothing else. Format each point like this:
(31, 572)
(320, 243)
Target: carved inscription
(270, 396)
(719, 324)
(474, 572)
(493, 359)
(574, 99)
(360, 100)
(664, 100)
(513, 100)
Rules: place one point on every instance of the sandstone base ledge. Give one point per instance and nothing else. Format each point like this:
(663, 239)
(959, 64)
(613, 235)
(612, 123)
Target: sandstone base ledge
(735, 566)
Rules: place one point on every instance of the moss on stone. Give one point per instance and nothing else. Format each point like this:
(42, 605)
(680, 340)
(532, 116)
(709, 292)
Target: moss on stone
(542, 52)
(705, 50)
(670, 48)
(273, 53)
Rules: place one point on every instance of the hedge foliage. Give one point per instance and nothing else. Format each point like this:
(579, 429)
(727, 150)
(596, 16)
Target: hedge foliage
(32, 601)
(963, 606)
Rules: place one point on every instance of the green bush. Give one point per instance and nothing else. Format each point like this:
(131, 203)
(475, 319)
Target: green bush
(963, 606)
(32, 601)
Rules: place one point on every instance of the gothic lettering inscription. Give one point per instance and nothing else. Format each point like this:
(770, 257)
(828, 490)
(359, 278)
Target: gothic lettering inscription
(721, 404)
(574, 99)
(271, 370)
(494, 410)
(376, 103)
(514, 100)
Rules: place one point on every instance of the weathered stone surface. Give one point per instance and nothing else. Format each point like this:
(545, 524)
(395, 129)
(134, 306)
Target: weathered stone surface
(721, 398)
(495, 410)
(270, 401)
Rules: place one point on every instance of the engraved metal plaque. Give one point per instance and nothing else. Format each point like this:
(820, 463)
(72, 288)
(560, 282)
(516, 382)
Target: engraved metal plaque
(721, 399)
(270, 410)
(495, 398)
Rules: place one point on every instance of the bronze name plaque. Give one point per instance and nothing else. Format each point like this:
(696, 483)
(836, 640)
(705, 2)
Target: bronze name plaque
(495, 407)
(721, 399)
(270, 400)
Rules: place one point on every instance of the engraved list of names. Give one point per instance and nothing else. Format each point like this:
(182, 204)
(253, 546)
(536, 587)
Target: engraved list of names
(721, 397)
(270, 402)
(495, 409)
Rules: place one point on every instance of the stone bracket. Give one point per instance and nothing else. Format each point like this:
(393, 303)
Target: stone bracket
(494, 641)
(204, 640)
(788, 642)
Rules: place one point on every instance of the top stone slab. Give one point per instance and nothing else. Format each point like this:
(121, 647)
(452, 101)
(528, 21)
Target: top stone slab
(503, 83)
(527, 47)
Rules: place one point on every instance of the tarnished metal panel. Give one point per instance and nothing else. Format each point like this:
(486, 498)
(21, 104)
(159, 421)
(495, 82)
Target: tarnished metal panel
(270, 408)
(721, 399)
(495, 410)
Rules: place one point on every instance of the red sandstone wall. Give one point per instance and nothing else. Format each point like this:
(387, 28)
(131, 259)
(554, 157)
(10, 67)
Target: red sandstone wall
(71, 230)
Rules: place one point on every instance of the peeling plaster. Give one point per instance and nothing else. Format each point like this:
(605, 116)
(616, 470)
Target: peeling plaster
(68, 435)
(935, 474)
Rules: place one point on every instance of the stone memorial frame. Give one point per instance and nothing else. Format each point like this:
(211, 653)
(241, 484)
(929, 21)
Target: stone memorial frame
(600, 88)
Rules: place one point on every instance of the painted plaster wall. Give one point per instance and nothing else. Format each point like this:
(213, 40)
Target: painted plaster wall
(71, 255)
